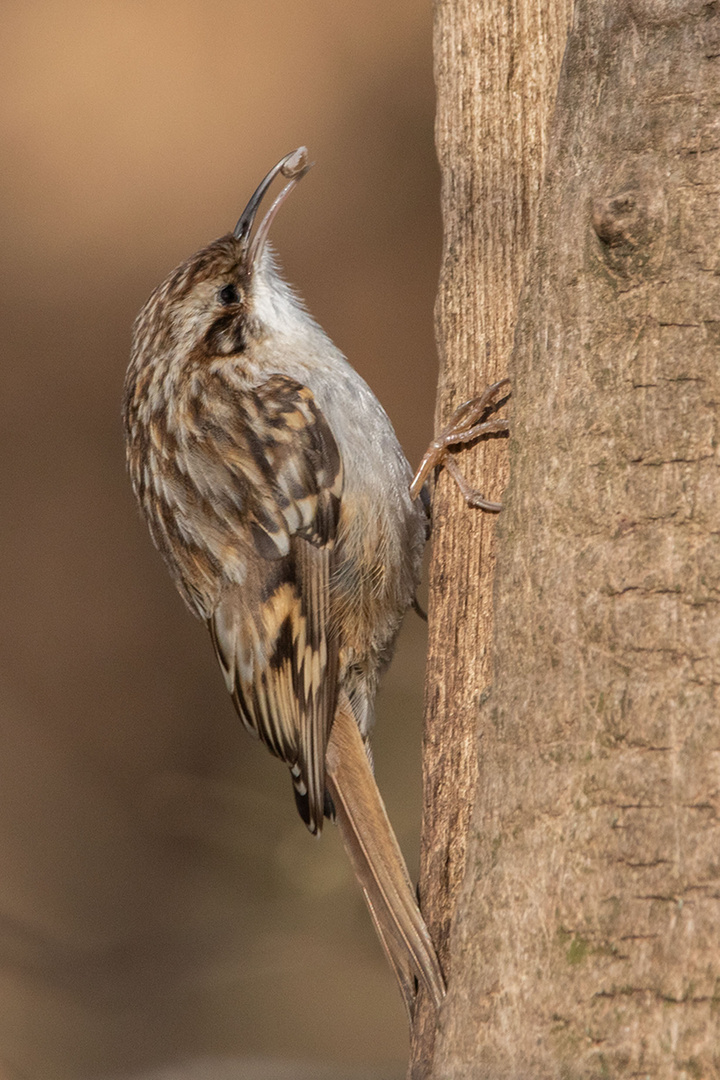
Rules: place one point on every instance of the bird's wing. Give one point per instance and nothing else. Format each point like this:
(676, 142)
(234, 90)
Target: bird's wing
(272, 630)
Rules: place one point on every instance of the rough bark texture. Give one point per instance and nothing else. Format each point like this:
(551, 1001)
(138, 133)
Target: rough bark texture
(587, 941)
(496, 69)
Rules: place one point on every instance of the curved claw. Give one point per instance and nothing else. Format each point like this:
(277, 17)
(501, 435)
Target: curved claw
(465, 426)
(471, 495)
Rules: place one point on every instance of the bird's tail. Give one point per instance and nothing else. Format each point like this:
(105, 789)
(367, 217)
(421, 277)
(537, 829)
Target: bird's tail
(378, 862)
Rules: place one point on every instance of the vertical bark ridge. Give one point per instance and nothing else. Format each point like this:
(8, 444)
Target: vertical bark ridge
(496, 68)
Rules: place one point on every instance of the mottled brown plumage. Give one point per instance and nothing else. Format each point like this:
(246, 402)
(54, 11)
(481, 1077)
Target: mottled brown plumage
(278, 496)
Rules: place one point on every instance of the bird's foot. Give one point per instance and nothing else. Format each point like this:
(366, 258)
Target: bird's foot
(467, 423)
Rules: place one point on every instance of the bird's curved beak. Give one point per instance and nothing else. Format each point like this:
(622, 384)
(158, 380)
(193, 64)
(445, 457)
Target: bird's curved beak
(293, 166)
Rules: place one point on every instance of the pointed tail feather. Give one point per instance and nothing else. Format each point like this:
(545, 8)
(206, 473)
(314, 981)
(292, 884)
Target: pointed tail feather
(378, 862)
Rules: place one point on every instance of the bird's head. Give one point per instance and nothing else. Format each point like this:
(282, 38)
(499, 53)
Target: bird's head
(227, 295)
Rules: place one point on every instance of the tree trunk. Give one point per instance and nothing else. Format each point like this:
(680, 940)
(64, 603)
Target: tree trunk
(496, 70)
(586, 939)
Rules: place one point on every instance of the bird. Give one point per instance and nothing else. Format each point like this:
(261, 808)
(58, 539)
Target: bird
(277, 494)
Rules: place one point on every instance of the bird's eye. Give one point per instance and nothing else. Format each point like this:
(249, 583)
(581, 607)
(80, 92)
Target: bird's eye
(228, 295)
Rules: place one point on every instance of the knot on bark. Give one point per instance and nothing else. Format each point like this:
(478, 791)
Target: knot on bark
(622, 219)
(627, 223)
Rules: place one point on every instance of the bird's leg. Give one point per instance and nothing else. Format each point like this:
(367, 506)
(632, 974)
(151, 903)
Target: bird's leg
(466, 424)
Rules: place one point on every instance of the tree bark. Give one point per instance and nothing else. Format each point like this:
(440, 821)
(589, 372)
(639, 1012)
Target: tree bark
(586, 939)
(496, 70)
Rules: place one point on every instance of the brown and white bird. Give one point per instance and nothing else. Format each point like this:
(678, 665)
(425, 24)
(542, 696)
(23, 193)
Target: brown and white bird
(277, 494)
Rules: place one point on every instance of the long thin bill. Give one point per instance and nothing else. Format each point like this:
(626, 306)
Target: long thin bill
(293, 166)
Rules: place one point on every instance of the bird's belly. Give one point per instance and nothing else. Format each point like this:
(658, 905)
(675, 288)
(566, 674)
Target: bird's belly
(377, 568)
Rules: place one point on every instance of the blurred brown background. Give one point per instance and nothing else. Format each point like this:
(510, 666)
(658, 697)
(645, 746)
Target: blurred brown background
(160, 900)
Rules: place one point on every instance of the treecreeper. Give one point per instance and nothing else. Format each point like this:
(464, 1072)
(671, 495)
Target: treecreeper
(278, 495)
